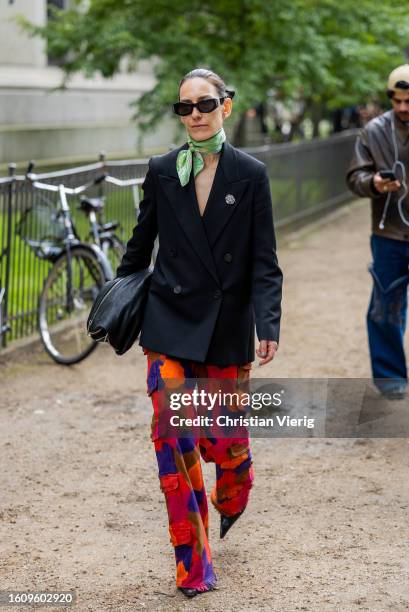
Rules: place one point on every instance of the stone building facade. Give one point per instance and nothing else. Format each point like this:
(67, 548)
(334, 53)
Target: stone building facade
(91, 115)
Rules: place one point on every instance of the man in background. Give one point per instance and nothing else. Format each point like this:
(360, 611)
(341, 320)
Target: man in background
(378, 171)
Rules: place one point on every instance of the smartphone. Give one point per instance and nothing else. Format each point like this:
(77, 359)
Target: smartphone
(388, 174)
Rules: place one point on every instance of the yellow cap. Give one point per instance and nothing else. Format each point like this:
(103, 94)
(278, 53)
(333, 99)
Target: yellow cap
(401, 73)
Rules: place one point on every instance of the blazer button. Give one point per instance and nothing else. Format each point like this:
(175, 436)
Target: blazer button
(173, 252)
(217, 294)
(177, 289)
(228, 257)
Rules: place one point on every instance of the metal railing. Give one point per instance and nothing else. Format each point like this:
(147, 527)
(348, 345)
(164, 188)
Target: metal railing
(306, 179)
(22, 272)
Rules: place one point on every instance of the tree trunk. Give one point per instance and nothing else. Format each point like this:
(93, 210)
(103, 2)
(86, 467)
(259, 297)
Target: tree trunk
(239, 134)
(316, 116)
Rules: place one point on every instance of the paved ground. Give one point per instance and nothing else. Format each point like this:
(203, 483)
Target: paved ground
(327, 526)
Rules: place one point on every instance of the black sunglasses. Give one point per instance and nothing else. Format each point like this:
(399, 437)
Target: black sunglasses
(203, 106)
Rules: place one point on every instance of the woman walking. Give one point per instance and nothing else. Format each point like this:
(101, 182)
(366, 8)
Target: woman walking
(216, 276)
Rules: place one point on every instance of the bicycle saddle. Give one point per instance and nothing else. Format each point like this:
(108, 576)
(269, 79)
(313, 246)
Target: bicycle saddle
(109, 227)
(91, 204)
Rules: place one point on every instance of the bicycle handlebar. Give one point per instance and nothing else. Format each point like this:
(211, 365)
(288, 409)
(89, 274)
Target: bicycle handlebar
(123, 182)
(67, 190)
(81, 188)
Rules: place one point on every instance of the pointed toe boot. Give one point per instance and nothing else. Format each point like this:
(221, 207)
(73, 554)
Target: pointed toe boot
(228, 521)
(189, 592)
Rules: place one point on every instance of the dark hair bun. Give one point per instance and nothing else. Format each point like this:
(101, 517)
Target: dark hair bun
(213, 78)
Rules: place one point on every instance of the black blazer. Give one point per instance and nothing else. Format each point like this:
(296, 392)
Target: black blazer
(215, 276)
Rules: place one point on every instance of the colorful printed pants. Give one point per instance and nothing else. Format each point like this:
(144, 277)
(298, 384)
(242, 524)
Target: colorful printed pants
(180, 471)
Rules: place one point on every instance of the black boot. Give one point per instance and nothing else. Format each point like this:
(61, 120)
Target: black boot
(227, 521)
(192, 592)
(189, 592)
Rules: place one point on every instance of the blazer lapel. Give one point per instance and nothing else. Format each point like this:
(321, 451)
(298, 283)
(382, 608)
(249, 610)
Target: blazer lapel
(184, 204)
(225, 195)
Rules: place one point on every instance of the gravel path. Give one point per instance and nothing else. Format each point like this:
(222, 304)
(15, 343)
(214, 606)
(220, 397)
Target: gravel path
(327, 525)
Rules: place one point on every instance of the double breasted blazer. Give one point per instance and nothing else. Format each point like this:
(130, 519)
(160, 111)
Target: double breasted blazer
(216, 276)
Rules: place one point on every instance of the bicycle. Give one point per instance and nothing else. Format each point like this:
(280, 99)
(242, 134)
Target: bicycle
(79, 269)
(103, 234)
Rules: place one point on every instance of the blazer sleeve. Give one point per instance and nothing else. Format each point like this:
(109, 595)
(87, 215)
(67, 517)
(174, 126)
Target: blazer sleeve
(267, 277)
(139, 248)
(362, 169)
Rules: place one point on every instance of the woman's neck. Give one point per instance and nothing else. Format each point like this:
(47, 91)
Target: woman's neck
(210, 159)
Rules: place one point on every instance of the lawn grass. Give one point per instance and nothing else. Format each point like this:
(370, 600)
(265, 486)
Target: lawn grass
(28, 272)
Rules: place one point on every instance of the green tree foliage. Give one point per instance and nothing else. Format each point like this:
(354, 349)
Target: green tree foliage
(329, 53)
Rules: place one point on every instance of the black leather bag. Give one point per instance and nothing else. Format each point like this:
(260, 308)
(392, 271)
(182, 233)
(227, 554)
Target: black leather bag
(117, 312)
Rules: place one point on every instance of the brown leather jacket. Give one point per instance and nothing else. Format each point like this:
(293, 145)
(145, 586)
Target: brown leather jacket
(374, 151)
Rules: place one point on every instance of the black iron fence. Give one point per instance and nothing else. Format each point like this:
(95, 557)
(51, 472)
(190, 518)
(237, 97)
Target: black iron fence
(22, 272)
(306, 179)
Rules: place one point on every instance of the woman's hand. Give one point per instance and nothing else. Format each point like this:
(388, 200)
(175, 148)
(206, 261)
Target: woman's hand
(266, 351)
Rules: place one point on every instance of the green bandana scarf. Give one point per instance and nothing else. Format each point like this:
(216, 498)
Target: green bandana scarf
(193, 155)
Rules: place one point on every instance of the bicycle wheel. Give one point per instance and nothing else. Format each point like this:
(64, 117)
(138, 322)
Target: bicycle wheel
(114, 249)
(65, 302)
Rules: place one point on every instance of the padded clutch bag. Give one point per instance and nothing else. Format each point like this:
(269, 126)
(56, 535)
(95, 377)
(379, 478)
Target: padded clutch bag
(117, 312)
